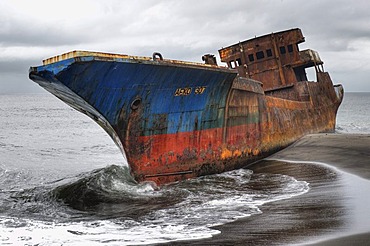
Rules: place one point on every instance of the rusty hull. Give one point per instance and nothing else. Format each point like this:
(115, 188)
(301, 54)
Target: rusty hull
(256, 126)
(176, 120)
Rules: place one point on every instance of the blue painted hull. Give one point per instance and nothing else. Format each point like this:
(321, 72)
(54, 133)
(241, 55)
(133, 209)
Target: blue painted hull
(111, 87)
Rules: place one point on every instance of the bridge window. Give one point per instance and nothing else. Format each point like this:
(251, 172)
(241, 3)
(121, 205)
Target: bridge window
(269, 53)
(282, 50)
(238, 62)
(260, 55)
(290, 48)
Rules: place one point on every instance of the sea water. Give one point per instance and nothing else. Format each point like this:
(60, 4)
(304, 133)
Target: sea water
(354, 113)
(64, 182)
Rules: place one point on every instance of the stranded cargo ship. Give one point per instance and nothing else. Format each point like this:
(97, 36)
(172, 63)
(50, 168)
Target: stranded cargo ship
(176, 120)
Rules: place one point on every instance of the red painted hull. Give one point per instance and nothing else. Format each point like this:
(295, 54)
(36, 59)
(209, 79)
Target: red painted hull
(280, 122)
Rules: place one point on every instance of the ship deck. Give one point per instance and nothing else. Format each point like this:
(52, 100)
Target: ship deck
(120, 57)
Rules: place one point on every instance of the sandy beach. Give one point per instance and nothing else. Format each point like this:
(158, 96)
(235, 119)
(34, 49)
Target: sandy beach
(332, 212)
(347, 152)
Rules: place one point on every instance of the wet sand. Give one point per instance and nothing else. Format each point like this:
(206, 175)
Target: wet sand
(349, 153)
(333, 212)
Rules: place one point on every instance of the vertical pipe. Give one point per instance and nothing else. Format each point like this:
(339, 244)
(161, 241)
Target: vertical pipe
(276, 51)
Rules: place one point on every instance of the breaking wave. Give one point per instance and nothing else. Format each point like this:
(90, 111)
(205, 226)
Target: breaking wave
(108, 206)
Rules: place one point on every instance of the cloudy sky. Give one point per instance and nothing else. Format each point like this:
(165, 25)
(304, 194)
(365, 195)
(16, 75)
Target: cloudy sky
(31, 31)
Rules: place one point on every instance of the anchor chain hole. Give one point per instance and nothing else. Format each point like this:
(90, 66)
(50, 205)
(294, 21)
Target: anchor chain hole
(136, 103)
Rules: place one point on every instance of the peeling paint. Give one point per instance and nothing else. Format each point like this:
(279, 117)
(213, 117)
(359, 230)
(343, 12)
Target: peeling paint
(176, 120)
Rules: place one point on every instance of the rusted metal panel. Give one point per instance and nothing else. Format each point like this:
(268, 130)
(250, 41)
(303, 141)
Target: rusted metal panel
(310, 57)
(271, 59)
(175, 120)
(79, 54)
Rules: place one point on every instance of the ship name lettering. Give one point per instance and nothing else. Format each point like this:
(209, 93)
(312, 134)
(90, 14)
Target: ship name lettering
(188, 90)
(200, 90)
(183, 91)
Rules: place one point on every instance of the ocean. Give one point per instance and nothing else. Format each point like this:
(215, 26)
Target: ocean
(64, 182)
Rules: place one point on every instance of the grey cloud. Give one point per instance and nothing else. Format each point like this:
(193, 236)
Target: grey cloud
(186, 29)
(19, 33)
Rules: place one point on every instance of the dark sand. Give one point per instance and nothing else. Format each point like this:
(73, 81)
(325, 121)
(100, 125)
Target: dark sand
(347, 152)
(332, 212)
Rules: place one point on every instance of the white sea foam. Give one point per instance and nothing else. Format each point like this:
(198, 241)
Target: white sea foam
(211, 201)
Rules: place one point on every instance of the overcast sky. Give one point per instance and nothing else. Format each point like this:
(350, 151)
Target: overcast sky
(31, 31)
